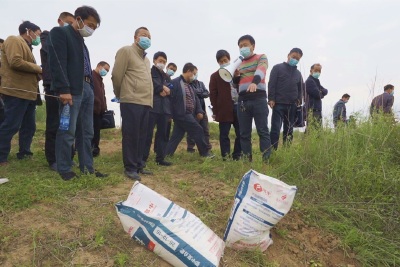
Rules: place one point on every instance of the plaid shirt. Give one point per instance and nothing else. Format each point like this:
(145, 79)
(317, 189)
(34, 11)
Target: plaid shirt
(190, 98)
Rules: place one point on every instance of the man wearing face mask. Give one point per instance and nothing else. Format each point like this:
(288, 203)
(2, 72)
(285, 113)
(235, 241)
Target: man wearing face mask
(383, 103)
(133, 85)
(185, 106)
(100, 103)
(161, 111)
(52, 103)
(71, 79)
(285, 91)
(224, 99)
(252, 101)
(315, 94)
(19, 71)
(171, 70)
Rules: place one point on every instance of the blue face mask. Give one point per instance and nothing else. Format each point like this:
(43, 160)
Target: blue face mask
(197, 75)
(316, 75)
(144, 42)
(245, 51)
(103, 72)
(346, 101)
(293, 62)
(170, 72)
(65, 24)
(224, 65)
(392, 93)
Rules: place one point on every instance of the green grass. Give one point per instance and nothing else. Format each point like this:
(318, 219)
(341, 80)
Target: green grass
(348, 183)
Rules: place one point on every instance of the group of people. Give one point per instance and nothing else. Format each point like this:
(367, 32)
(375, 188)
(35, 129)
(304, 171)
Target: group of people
(149, 98)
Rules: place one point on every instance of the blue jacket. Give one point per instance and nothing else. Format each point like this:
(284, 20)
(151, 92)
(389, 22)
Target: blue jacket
(382, 102)
(178, 100)
(339, 111)
(315, 92)
(285, 84)
(161, 104)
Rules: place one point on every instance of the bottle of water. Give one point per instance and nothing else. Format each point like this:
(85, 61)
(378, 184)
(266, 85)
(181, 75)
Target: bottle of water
(115, 100)
(65, 116)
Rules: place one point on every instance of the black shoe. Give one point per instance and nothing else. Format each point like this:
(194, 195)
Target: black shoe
(68, 176)
(191, 150)
(209, 156)
(99, 174)
(145, 172)
(133, 176)
(53, 166)
(73, 163)
(164, 163)
(95, 155)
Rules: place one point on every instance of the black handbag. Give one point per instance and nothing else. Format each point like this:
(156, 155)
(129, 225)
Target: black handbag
(299, 120)
(108, 121)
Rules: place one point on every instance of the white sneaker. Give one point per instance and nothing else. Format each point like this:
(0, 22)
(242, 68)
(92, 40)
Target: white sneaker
(3, 180)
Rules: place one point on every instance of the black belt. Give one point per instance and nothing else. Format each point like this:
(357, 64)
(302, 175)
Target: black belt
(87, 79)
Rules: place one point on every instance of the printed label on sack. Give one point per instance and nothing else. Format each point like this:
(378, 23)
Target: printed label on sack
(169, 241)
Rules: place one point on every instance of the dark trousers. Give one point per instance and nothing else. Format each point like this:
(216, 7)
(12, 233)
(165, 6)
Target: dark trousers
(225, 142)
(282, 113)
(256, 109)
(161, 120)
(52, 124)
(134, 128)
(96, 134)
(206, 131)
(19, 116)
(168, 134)
(190, 126)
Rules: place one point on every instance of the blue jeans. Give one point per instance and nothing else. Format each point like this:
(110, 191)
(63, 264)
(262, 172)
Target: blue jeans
(19, 116)
(81, 129)
(257, 109)
(282, 113)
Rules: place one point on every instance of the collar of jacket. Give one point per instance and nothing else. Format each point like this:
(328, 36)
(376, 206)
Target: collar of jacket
(138, 50)
(287, 64)
(27, 43)
(316, 80)
(247, 58)
(94, 72)
(157, 69)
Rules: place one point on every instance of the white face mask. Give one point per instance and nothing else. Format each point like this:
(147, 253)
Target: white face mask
(86, 31)
(160, 66)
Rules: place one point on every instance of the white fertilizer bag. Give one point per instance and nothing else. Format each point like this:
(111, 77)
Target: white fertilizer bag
(172, 232)
(260, 203)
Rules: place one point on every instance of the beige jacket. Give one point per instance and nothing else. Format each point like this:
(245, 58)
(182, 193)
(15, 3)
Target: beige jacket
(18, 69)
(131, 76)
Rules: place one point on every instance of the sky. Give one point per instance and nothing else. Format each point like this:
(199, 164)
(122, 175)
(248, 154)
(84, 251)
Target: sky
(356, 41)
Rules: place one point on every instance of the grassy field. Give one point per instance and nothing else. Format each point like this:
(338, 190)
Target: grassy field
(346, 212)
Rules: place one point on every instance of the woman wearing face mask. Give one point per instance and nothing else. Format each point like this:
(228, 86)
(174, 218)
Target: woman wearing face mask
(19, 71)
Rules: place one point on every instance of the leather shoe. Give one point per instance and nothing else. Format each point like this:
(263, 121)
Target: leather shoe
(145, 172)
(133, 176)
(99, 174)
(164, 163)
(68, 176)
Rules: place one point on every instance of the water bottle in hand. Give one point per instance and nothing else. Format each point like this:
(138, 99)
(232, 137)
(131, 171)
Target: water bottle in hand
(65, 117)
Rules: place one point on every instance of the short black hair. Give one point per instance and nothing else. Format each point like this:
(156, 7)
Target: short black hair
(316, 64)
(387, 87)
(221, 54)
(346, 96)
(247, 37)
(27, 25)
(172, 64)
(102, 63)
(65, 14)
(86, 11)
(160, 54)
(1, 41)
(188, 67)
(296, 50)
(141, 28)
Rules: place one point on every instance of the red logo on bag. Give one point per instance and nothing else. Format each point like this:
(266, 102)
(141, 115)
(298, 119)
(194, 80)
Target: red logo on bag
(283, 197)
(151, 246)
(258, 187)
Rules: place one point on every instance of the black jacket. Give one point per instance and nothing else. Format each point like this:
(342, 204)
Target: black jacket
(315, 92)
(178, 100)
(201, 92)
(43, 56)
(66, 62)
(285, 84)
(161, 105)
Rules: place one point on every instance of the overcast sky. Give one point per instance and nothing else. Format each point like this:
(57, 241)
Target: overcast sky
(352, 39)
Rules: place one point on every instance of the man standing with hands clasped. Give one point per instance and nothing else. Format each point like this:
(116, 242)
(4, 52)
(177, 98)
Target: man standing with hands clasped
(252, 102)
(71, 75)
(284, 94)
(131, 77)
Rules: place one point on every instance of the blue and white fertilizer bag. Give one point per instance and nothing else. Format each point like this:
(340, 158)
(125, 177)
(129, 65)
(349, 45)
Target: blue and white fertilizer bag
(260, 203)
(172, 232)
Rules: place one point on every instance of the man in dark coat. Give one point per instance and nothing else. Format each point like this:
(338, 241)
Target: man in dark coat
(315, 93)
(224, 100)
(383, 103)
